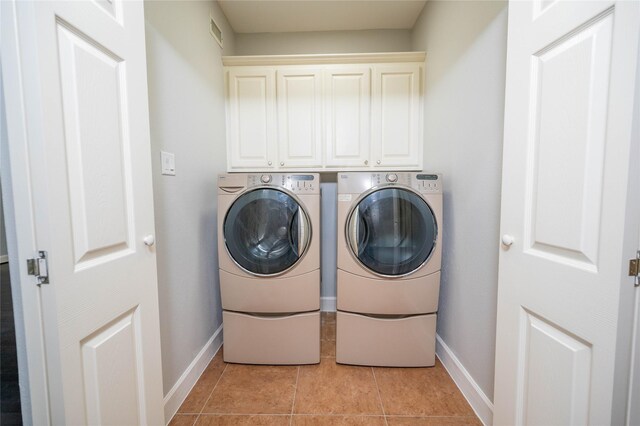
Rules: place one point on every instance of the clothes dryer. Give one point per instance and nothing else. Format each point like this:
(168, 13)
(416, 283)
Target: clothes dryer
(389, 258)
(269, 263)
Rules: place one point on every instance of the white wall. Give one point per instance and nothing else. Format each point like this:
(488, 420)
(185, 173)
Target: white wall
(323, 42)
(186, 106)
(328, 243)
(465, 42)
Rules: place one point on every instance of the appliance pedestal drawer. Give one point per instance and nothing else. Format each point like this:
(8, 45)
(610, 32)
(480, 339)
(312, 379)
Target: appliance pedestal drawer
(386, 341)
(267, 339)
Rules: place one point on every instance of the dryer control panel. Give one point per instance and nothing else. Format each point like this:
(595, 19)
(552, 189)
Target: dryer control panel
(298, 183)
(421, 182)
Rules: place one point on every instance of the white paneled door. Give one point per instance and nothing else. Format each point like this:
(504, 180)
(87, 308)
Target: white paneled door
(569, 200)
(81, 69)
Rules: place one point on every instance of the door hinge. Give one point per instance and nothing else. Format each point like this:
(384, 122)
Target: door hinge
(634, 269)
(39, 267)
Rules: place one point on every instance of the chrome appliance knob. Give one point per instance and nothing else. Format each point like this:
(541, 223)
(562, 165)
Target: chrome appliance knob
(392, 177)
(265, 178)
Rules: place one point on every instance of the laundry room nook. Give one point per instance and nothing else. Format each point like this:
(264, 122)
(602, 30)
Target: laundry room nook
(319, 212)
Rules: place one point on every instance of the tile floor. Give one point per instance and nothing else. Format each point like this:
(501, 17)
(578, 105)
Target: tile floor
(324, 394)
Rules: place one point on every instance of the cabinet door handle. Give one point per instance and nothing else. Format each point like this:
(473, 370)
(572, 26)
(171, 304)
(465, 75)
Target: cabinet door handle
(378, 162)
(282, 163)
(270, 163)
(366, 162)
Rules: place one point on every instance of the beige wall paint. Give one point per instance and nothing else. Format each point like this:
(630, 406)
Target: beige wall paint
(465, 42)
(323, 42)
(186, 108)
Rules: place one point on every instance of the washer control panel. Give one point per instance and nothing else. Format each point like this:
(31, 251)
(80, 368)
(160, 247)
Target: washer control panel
(425, 182)
(299, 183)
(422, 182)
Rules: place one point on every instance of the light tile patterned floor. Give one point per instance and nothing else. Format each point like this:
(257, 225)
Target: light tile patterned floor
(324, 394)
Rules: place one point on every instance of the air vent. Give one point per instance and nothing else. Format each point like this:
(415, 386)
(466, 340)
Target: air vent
(215, 30)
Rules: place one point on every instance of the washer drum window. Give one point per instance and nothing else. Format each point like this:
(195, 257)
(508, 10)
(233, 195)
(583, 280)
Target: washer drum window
(266, 231)
(392, 231)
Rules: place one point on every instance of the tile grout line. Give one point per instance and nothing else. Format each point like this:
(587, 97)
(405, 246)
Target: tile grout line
(295, 392)
(211, 393)
(384, 415)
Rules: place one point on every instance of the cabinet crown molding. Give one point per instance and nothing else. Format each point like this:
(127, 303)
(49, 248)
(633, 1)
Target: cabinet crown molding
(338, 58)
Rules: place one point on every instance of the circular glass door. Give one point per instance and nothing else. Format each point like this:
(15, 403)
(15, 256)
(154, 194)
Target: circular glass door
(392, 231)
(266, 231)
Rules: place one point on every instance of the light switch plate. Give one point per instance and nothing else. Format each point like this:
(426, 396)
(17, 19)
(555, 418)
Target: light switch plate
(168, 161)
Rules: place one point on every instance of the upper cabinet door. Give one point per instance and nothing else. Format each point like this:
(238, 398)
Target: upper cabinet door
(299, 93)
(347, 106)
(251, 118)
(396, 116)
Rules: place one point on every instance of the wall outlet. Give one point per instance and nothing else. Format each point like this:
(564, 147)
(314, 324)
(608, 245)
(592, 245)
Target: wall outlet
(168, 161)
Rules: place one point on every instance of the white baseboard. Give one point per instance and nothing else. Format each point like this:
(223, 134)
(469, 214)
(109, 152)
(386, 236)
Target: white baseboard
(4, 258)
(480, 403)
(187, 381)
(328, 304)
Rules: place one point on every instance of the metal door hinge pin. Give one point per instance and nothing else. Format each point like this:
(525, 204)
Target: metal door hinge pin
(39, 267)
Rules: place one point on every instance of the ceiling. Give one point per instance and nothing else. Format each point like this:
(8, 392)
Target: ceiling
(269, 16)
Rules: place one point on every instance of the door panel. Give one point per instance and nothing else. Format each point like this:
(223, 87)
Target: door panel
(567, 204)
(569, 100)
(396, 122)
(83, 70)
(300, 118)
(251, 125)
(556, 374)
(117, 400)
(347, 106)
(113, 8)
(94, 107)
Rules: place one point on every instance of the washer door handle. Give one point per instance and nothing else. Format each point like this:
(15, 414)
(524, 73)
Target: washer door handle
(354, 225)
(303, 237)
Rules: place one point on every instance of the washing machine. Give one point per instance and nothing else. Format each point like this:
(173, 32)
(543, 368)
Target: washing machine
(269, 263)
(389, 257)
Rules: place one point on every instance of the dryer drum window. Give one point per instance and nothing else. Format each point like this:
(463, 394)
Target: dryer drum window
(392, 231)
(266, 231)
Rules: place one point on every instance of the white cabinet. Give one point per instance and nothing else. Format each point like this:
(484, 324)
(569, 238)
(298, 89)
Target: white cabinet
(396, 119)
(251, 118)
(299, 99)
(347, 98)
(324, 112)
